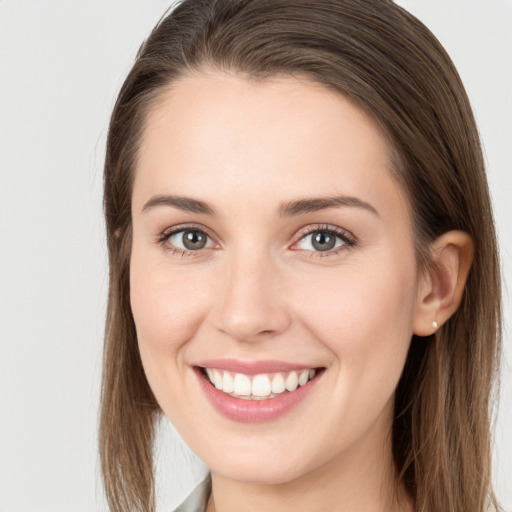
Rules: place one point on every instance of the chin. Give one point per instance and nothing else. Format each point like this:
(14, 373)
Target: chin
(259, 467)
(262, 473)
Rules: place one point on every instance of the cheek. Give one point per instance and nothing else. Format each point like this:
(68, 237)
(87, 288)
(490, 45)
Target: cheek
(364, 316)
(167, 307)
(355, 300)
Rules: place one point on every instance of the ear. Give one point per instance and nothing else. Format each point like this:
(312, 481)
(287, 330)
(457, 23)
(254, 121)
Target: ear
(440, 289)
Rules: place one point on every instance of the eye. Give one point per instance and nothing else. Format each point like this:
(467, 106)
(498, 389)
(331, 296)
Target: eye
(320, 241)
(324, 240)
(188, 240)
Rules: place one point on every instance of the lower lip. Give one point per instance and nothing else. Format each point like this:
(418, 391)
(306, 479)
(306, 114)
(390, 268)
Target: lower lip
(254, 411)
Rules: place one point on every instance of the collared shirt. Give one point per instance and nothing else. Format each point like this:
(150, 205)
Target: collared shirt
(198, 498)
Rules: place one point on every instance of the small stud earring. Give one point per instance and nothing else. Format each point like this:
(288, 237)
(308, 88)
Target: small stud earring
(434, 324)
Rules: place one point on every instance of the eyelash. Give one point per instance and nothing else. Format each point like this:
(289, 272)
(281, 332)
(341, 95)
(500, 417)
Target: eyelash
(346, 237)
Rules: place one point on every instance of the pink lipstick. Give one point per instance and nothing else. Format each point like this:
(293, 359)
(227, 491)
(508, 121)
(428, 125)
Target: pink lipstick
(255, 391)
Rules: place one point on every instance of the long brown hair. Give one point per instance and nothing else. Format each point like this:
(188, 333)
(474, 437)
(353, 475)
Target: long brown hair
(390, 64)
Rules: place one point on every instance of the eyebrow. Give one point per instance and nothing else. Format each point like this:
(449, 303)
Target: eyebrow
(186, 204)
(287, 209)
(316, 204)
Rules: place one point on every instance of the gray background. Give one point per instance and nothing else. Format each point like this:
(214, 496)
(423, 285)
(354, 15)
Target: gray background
(61, 64)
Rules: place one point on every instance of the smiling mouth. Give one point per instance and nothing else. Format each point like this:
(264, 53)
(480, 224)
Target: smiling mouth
(262, 386)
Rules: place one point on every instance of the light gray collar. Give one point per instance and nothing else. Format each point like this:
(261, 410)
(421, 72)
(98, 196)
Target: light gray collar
(198, 498)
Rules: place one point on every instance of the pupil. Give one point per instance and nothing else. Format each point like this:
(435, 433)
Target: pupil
(194, 240)
(323, 241)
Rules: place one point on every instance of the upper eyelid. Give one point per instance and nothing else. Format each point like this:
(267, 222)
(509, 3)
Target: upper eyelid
(321, 227)
(185, 227)
(338, 231)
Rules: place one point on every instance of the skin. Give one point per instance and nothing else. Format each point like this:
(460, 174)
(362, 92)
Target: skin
(259, 289)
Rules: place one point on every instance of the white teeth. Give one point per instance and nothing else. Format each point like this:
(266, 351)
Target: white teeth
(227, 383)
(242, 384)
(217, 379)
(261, 386)
(303, 377)
(292, 381)
(278, 383)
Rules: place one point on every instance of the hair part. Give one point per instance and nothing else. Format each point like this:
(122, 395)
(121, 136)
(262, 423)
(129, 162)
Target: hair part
(387, 62)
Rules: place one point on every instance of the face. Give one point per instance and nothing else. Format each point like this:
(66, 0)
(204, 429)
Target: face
(272, 254)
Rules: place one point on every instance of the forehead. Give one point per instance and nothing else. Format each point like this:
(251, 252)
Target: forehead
(218, 134)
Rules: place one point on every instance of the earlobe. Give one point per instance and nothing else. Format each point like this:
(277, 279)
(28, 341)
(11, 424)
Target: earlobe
(440, 290)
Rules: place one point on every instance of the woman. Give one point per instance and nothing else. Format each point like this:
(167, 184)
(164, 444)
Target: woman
(303, 265)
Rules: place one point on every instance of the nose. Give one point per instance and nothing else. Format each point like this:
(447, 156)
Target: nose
(252, 304)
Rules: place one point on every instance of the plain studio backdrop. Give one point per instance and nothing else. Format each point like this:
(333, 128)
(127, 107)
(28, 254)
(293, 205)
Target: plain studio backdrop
(61, 66)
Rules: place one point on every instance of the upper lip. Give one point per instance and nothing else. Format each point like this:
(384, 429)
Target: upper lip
(252, 367)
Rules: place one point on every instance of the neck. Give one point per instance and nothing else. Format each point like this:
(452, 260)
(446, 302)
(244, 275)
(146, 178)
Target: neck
(362, 480)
